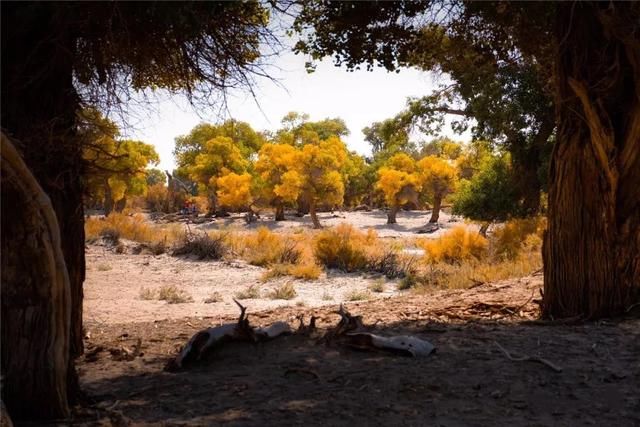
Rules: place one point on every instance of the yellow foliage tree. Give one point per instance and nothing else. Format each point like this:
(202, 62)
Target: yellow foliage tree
(318, 171)
(220, 156)
(399, 183)
(279, 183)
(234, 191)
(439, 178)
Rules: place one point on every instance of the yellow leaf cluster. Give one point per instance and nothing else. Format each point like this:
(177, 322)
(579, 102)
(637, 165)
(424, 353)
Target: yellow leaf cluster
(234, 190)
(398, 181)
(455, 246)
(438, 176)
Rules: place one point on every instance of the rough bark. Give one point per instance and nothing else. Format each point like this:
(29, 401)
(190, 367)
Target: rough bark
(435, 213)
(44, 129)
(280, 213)
(391, 215)
(36, 297)
(592, 244)
(314, 215)
(108, 199)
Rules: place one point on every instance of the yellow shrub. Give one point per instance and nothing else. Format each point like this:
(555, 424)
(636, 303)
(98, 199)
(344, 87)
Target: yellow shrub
(513, 236)
(265, 247)
(135, 228)
(455, 246)
(344, 247)
(306, 271)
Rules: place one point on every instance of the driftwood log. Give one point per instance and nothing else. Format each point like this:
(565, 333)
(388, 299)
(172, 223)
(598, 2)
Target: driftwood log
(203, 342)
(352, 332)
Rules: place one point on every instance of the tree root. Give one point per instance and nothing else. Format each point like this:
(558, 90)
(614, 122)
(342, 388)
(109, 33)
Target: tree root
(536, 359)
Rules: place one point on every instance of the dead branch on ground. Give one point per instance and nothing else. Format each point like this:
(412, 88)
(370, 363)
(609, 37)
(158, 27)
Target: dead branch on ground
(536, 359)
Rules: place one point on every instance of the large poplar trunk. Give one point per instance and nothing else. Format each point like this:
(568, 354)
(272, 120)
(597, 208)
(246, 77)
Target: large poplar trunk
(592, 244)
(279, 213)
(314, 215)
(39, 105)
(391, 215)
(435, 213)
(36, 298)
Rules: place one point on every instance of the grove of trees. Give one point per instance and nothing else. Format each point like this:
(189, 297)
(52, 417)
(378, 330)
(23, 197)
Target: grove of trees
(553, 88)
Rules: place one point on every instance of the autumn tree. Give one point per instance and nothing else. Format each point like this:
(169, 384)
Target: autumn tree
(155, 176)
(439, 179)
(595, 164)
(318, 171)
(57, 57)
(218, 157)
(234, 191)
(399, 182)
(278, 181)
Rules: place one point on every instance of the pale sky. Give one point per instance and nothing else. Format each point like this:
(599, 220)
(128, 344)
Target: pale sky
(359, 98)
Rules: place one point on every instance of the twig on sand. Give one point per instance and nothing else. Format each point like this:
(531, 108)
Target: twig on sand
(537, 359)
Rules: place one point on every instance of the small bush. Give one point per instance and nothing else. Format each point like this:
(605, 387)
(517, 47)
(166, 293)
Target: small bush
(344, 248)
(286, 291)
(407, 282)
(276, 270)
(134, 227)
(513, 236)
(307, 271)
(252, 292)
(147, 294)
(110, 235)
(104, 267)
(326, 296)
(377, 286)
(392, 264)
(172, 295)
(264, 248)
(202, 246)
(457, 245)
(357, 296)
(214, 297)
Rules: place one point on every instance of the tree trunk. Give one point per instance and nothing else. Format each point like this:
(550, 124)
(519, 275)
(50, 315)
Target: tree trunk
(435, 213)
(36, 298)
(108, 199)
(35, 39)
(280, 213)
(391, 215)
(314, 216)
(592, 245)
(121, 204)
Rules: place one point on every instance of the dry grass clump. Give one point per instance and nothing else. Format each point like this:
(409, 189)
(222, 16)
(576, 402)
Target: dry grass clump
(306, 271)
(104, 267)
(202, 245)
(251, 292)
(132, 227)
(517, 235)
(458, 245)
(285, 291)
(172, 295)
(344, 248)
(391, 263)
(377, 285)
(214, 297)
(147, 294)
(357, 296)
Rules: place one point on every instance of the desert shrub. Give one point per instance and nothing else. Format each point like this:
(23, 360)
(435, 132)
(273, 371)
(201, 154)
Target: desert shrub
(110, 235)
(285, 291)
(390, 263)
(157, 198)
(147, 294)
(104, 267)
(275, 271)
(357, 295)
(344, 248)
(407, 282)
(265, 248)
(377, 285)
(306, 271)
(512, 237)
(132, 227)
(250, 292)
(214, 297)
(455, 246)
(172, 295)
(202, 245)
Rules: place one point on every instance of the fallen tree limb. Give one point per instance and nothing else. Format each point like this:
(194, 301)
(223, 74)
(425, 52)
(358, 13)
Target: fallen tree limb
(352, 332)
(537, 359)
(208, 339)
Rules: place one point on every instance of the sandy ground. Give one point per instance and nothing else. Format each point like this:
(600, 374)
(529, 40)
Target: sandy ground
(112, 290)
(294, 380)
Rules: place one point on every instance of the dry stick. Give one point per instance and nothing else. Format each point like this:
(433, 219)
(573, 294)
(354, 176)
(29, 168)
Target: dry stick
(551, 365)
